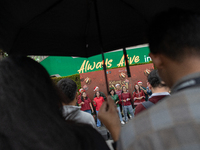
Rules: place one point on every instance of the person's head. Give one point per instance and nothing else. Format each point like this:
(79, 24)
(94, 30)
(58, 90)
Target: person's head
(69, 88)
(118, 86)
(137, 87)
(84, 95)
(139, 83)
(81, 91)
(112, 92)
(124, 89)
(155, 81)
(30, 108)
(96, 89)
(97, 94)
(174, 37)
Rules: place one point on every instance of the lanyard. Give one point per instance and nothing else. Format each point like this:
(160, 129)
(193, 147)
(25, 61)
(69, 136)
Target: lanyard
(187, 84)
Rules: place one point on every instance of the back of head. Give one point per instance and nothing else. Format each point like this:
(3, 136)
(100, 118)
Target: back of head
(176, 34)
(155, 80)
(69, 88)
(29, 110)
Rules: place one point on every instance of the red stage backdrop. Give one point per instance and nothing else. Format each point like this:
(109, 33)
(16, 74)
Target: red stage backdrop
(115, 76)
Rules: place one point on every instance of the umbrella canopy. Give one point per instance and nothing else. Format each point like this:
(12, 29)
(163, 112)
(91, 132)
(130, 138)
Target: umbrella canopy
(149, 8)
(63, 27)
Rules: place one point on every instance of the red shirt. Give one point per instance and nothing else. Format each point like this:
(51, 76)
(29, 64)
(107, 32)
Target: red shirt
(153, 99)
(124, 97)
(136, 95)
(86, 105)
(99, 101)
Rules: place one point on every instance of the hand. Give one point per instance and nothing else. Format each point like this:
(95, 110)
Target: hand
(82, 103)
(124, 100)
(117, 102)
(109, 117)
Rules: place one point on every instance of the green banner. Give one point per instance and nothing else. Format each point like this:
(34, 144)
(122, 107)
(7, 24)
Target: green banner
(65, 66)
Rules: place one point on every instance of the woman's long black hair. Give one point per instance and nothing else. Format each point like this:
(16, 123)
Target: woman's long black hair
(82, 96)
(111, 91)
(29, 111)
(136, 89)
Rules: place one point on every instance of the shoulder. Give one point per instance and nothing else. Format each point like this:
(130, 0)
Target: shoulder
(86, 118)
(175, 112)
(139, 109)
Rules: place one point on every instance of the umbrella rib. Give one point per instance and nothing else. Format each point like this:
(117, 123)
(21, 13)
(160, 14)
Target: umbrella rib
(87, 25)
(146, 21)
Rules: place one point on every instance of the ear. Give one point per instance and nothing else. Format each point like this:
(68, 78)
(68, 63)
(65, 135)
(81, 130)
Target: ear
(77, 95)
(149, 85)
(157, 60)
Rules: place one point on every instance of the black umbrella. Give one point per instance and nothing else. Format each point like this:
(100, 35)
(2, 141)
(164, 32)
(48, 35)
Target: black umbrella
(68, 27)
(78, 27)
(71, 28)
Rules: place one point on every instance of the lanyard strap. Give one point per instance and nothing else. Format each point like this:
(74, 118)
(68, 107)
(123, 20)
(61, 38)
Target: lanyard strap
(187, 84)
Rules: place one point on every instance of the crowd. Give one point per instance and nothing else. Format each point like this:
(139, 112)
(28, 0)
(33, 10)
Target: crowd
(124, 100)
(37, 114)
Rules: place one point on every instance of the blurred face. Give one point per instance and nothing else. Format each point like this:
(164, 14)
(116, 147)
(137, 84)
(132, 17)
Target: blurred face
(112, 92)
(136, 87)
(84, 95)
(124, 89)
(98, 94)
(118, 87)
(140, 84)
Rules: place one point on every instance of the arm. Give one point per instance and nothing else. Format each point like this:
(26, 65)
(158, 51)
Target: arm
(80, 102)
(94, 103)
(134, 96)
(122, 99)
(117, 99)
(142, 95)
(109, 117)
(91, 107)
(144, 90)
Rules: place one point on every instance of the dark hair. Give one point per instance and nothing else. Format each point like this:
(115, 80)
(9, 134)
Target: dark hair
(154, 79)
(136, 89)
(69, 88)
(29, 110)
(175, 33)
(82, 96)
(111, 91)
(122, 89)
